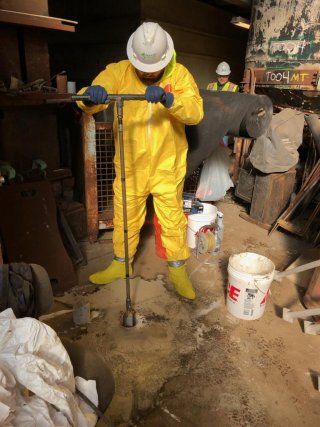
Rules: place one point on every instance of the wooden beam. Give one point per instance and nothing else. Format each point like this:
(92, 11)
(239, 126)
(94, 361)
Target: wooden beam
(248, 218)
(28, 19)
(33, 98)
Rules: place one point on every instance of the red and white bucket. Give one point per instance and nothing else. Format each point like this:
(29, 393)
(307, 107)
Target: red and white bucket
(249, 279)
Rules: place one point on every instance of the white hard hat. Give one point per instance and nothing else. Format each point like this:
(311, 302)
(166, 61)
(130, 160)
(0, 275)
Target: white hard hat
(150, 48)
(223, 69)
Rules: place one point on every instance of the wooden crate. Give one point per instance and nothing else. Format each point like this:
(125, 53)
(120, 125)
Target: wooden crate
(245, 185)
(271, 195)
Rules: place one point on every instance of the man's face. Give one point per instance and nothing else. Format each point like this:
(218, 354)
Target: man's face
(149, 78)
(222, 79)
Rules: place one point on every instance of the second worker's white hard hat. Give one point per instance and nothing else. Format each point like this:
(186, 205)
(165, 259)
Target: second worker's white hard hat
(223, 69)
(150, 48)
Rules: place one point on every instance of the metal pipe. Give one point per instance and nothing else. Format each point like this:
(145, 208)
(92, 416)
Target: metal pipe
(111, 97)
(129, 318)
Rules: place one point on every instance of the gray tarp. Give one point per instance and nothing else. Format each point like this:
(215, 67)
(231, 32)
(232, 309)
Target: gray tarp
(276, 151)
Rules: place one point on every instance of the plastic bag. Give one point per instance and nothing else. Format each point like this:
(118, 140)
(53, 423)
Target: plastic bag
(215, 179)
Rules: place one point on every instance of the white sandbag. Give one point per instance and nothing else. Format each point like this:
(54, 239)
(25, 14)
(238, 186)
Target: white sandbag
(215, 179)
(33, 354)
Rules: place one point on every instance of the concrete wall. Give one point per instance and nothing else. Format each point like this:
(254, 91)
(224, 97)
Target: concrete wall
(101, 36)
(202, 34)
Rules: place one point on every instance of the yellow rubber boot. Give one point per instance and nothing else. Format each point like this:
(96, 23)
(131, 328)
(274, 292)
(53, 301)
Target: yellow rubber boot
(116, 270)
(179, 277)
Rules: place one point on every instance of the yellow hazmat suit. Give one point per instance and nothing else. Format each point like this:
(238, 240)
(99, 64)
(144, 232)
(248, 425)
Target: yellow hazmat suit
(155, 149)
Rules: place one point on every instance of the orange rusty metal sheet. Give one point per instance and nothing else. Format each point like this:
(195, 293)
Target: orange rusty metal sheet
(90, 174)
(30, 233)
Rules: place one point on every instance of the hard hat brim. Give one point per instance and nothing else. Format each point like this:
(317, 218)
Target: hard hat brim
(151, 68)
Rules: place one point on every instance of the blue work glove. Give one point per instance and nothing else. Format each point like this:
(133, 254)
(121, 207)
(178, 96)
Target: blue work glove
(157, 94)
(98, 94)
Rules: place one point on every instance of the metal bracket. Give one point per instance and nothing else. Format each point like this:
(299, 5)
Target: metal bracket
(311, 328)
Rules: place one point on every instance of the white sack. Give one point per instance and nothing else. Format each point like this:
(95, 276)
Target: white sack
(32, 353)
(215, 179)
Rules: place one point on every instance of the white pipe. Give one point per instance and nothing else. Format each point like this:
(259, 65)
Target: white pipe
(278, 275)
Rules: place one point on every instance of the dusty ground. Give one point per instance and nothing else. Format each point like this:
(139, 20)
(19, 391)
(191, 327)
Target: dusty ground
(194, 364)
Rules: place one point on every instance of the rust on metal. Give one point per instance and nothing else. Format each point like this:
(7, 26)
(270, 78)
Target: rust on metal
(284, 34)
(283, 53)
(296, 78)
(105, 173)
(104, 125)
(90, 174)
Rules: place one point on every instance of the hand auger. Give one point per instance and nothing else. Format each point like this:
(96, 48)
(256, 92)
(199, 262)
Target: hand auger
(129, 317)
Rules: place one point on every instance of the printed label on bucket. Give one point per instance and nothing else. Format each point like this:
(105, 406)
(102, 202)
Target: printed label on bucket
(248, 298)
(249, 301)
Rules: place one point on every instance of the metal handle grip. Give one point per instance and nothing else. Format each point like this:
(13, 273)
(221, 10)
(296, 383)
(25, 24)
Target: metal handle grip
(111, 97)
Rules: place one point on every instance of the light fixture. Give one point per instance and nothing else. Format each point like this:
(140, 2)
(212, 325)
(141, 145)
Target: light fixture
(240, 22)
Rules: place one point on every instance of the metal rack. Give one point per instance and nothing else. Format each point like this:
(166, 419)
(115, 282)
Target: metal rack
(105, 173)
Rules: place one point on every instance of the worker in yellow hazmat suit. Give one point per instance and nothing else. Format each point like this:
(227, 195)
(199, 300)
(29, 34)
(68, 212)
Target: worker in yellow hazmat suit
(155, 146)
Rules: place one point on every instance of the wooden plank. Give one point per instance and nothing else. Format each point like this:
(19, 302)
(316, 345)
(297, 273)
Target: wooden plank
(9, 54)
(312, 217)
(307, 186)
(271, 195)
(312, 296)
(33, 98)
(36, 55)
(289, 226)
(28, 19)
(248, 218)
(38, 7)
(237, 150)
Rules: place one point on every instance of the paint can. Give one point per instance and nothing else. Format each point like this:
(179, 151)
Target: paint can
(195, 222)
(81, 313)
(249, 278)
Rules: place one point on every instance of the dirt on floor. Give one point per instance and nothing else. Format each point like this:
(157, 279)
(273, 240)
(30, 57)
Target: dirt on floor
(193, 363)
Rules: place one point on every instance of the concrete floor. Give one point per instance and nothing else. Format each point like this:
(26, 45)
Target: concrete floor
(192, 363)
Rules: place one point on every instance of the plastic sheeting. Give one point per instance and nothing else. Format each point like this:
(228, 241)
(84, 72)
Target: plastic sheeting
(33, 358)
(276, 151)
(215, 180)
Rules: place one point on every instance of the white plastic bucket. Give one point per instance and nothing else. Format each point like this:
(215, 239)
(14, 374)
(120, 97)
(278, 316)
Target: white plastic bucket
(249, 278)
(208, 208)
(195, 222)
